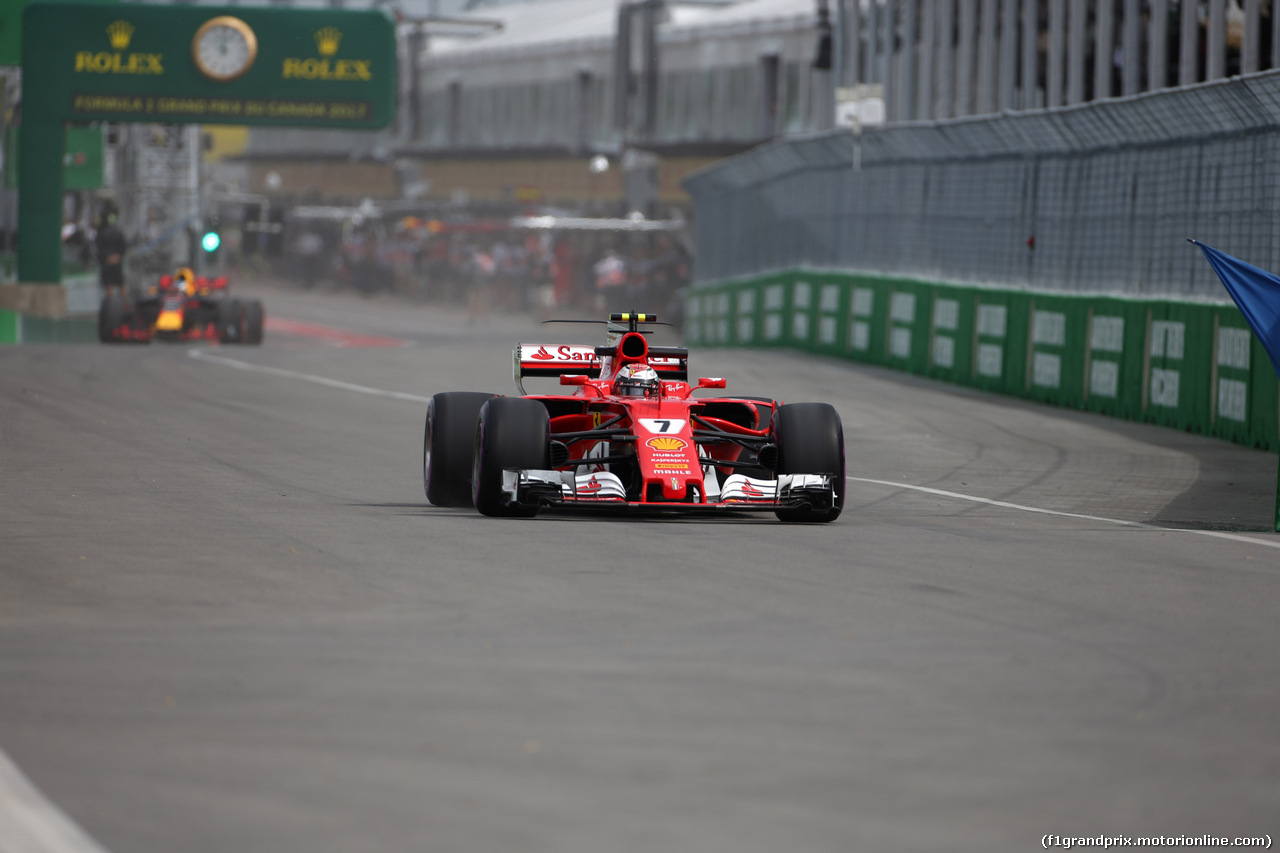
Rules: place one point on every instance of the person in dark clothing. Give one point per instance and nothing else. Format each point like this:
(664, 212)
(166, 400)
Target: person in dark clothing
(111, 246)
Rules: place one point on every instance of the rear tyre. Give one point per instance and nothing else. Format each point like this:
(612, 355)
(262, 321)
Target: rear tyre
(253, 320)
(110, 317)
(447, 446)
(810, 440)
(512, 432)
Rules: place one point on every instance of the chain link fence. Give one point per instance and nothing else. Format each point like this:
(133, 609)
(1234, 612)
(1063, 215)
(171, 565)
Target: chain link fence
(1095, 198)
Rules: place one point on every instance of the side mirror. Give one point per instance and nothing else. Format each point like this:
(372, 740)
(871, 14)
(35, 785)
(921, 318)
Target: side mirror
(574, 379)
(710, 382)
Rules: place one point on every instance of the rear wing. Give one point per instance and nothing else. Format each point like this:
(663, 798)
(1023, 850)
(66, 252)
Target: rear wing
(574, 360)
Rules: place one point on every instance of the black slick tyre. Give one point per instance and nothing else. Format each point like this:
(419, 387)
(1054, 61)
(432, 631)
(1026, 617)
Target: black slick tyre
(810, 440)
(111, 315)
(512, 432)
(447, 445)
(254, 317)
(229, 325)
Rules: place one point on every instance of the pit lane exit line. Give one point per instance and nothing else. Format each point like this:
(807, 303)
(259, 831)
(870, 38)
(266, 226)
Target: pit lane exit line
(1217, 534)
(201, 355)
(364, 389)
(331, 335)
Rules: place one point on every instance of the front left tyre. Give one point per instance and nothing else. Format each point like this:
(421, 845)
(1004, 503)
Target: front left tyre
(447, 445)
(512, 432)
(254, 318)
(229, 311)
(810, 440)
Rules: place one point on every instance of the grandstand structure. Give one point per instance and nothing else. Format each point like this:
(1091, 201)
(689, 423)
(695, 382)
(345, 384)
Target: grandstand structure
(508, 105)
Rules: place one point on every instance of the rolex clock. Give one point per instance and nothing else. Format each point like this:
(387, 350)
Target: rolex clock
(224, 48)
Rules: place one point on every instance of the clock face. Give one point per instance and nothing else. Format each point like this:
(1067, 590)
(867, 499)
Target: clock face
(224, 48)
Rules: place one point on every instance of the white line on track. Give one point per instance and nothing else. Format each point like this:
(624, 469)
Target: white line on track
(1217, 534)
(29, 823)
(307, 377)
(364, 389)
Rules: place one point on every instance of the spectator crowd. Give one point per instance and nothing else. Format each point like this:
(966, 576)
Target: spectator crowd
(495, 267)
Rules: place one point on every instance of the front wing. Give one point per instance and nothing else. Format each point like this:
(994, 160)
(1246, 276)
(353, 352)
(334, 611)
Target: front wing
(604, 491)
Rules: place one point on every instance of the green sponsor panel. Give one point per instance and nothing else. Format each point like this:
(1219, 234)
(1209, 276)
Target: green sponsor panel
(1055, 350)
(774, 305)
(798, 319)
(907, 326)
(9, 321)
(950, 332)
(715, 317)
(830, 310)
(1179, 353)
(1264, 402)
(1115, 334)
(865, 321)
(746, 300)
(1185, 365)
(58, 330)
(693, 310)
(999, 351)
(1243, 399)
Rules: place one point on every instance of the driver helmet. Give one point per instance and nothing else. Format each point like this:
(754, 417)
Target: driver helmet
(186, 280)
(636, 380)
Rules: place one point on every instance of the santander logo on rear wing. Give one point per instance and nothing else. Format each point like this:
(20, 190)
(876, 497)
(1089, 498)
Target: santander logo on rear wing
(573, 359)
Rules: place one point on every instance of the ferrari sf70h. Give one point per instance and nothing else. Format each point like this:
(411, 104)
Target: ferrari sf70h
(630, 435)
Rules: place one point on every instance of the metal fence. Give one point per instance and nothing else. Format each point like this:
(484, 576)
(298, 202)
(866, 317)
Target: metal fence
(1095, 198)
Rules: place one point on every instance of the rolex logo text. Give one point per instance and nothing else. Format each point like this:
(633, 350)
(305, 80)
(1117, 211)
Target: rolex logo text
(116, 61)
(327, 67)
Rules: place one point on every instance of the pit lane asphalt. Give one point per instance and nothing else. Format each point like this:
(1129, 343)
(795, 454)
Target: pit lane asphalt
(229, 620)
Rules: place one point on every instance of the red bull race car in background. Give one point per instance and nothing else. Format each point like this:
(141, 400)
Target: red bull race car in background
(630, 435)
(181, 307)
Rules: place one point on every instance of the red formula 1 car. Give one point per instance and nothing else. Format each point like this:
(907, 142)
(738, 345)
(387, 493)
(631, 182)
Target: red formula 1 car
(181, 307)
(630, 435)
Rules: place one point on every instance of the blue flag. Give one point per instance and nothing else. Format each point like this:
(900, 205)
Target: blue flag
(1256, 292)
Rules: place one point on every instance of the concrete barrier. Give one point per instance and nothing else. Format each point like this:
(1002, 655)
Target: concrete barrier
(1193, 366)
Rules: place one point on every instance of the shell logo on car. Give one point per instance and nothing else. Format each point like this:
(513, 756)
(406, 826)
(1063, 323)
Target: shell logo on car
(667, 442)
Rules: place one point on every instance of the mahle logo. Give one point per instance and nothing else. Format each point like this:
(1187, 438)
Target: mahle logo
(116, 61)
(327, 68)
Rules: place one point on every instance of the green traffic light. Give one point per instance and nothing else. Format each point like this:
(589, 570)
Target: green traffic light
(211, 241)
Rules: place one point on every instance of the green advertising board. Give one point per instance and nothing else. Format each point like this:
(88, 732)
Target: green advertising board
(234, 65)
(322, 68)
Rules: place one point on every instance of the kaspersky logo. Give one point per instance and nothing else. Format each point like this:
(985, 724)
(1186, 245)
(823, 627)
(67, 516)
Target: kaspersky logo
(116, 61)
(327, 67)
